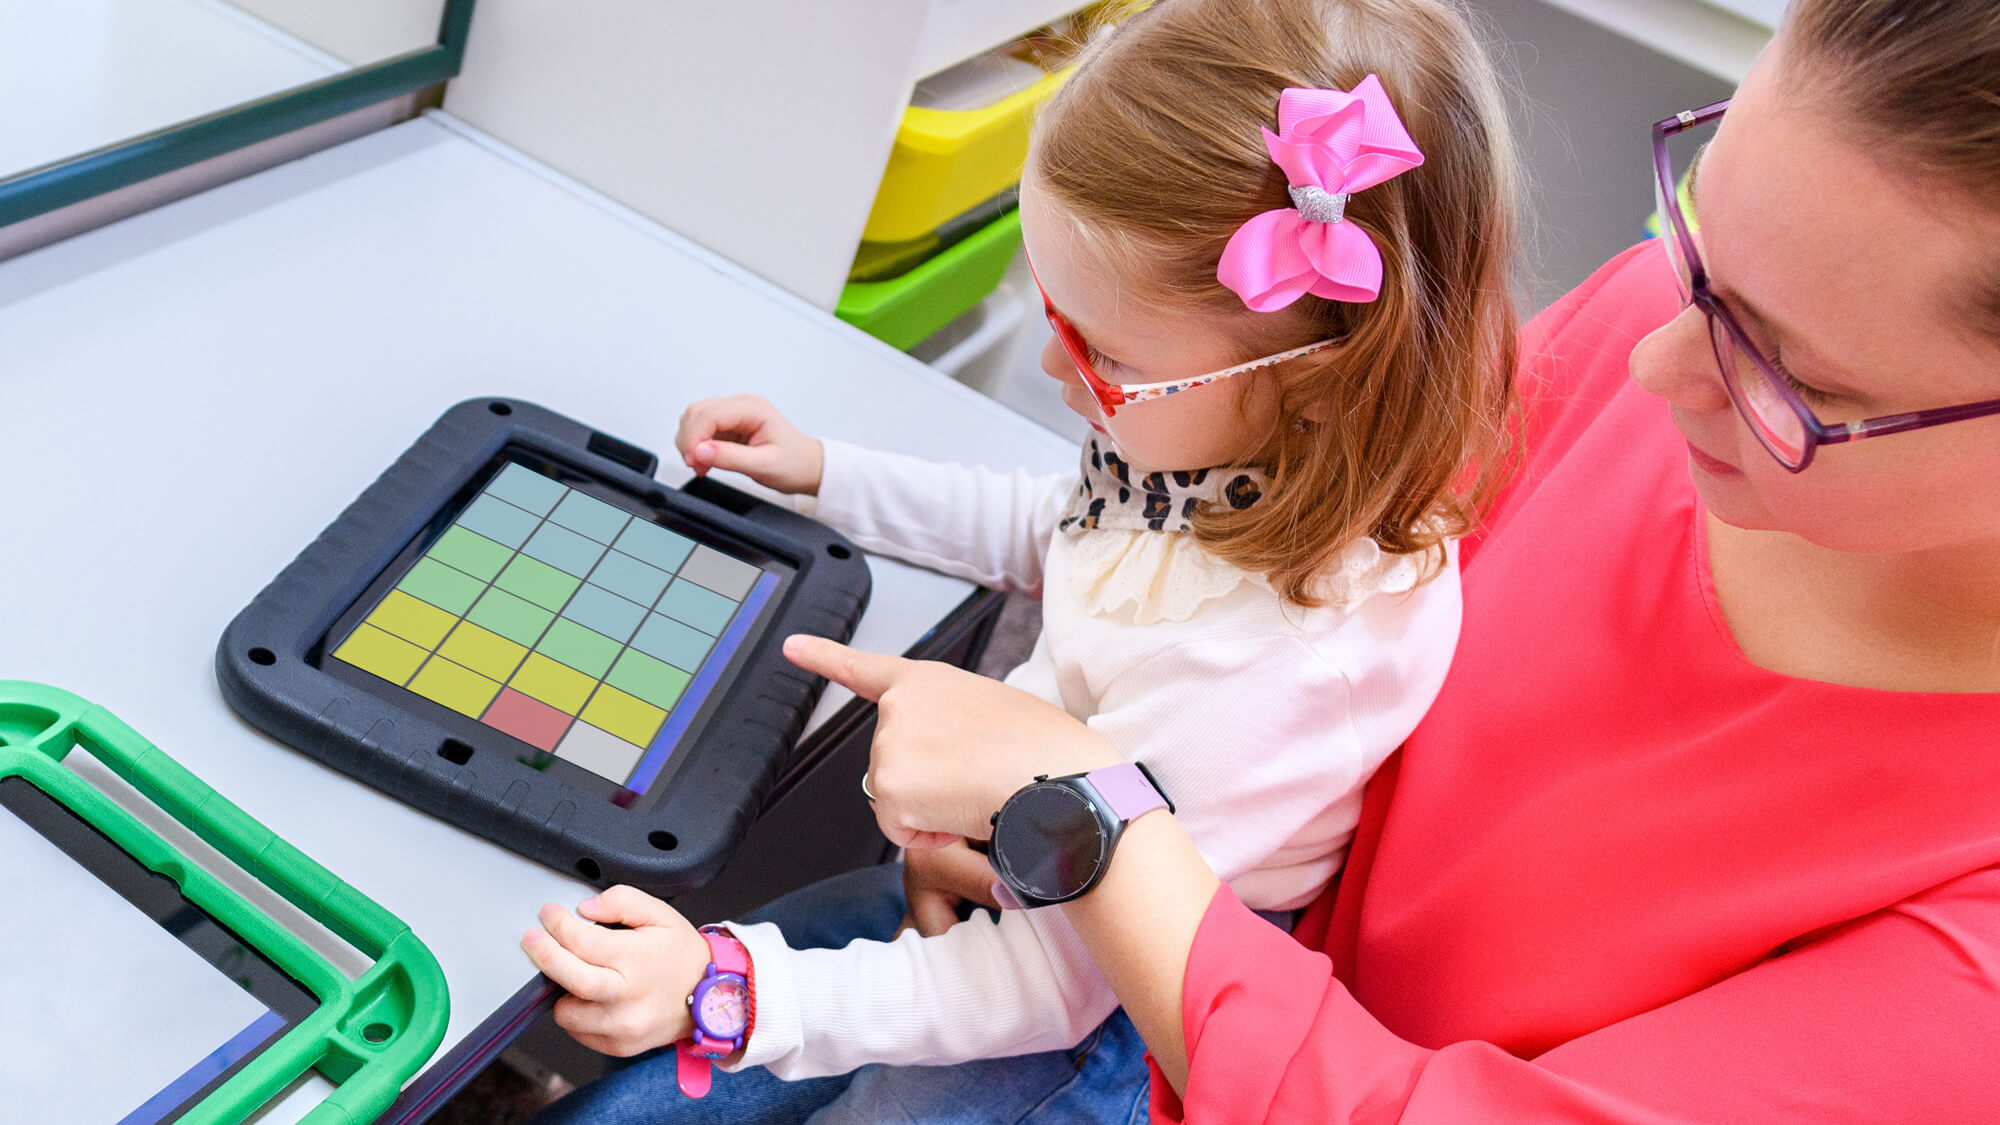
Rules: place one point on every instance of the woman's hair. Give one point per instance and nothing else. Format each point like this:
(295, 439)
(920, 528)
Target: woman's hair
(1917, 81)
(1154, 150)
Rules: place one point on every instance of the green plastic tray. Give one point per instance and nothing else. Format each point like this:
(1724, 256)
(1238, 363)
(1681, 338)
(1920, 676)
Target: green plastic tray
(370, 1034)
(903, 310)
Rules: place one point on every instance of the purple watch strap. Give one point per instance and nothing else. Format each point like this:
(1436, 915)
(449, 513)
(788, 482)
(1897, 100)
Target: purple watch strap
(1126, 790)
(1005, 896)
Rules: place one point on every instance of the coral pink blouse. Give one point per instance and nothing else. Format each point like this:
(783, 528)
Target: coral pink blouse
(1620, 873)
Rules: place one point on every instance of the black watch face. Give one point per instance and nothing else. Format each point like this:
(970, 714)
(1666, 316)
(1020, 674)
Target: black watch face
(1050, 842)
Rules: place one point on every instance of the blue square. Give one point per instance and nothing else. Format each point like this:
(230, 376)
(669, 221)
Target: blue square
(604, 611)
(702, 608)
(563, 549)
(629, 578)
(524, 488)
(651, 543)
(666, 639)
(590, 516)
(499, 521)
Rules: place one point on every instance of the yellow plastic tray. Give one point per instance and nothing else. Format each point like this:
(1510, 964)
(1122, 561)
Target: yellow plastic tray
(947, 162)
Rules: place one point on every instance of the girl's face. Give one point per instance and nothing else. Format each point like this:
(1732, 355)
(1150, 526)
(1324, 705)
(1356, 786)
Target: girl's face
(1862, 283)
(1134, 342)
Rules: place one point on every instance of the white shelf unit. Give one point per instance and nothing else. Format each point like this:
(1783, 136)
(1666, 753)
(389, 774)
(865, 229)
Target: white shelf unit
(760, 128)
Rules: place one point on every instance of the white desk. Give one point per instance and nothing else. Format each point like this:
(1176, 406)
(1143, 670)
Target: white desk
(189, 396)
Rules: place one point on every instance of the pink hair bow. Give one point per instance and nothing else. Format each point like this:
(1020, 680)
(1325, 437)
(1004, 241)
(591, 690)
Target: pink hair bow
(1330, 144)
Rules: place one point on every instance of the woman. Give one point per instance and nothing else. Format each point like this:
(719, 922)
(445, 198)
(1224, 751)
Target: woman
(1705, 825)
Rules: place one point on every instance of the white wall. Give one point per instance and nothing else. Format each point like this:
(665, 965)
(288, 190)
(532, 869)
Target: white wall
(354, 31)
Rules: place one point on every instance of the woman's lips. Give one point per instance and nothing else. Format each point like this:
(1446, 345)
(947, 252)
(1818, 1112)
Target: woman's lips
(1711, 465)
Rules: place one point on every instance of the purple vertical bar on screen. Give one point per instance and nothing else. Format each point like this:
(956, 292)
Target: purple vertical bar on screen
(205, 1071)
(704, 682)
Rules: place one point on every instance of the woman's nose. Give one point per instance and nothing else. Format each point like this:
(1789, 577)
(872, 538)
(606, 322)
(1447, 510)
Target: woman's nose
(1677, 362)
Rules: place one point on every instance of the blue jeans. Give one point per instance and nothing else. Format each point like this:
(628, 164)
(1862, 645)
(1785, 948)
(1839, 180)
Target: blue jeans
(1102, 1079)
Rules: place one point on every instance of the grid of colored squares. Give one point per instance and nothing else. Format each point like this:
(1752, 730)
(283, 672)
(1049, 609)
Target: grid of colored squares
(556, 618)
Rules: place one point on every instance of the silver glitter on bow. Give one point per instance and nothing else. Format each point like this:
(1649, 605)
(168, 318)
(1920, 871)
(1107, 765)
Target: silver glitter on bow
(1320, 205)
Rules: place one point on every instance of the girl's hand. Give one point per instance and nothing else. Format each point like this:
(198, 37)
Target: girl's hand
(628, 989)
(748, 435)
(936, 880)
(950, 746)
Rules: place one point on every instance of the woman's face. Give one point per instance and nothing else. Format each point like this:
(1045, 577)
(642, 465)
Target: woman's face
(1864, 282)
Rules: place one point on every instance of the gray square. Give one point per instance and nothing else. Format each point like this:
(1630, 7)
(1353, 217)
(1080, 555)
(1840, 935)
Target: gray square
(601, 752)
(732, 578)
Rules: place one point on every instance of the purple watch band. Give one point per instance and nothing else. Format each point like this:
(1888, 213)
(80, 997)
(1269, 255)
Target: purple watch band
(1126, 790)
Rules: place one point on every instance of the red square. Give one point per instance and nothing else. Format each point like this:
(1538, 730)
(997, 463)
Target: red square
(530, 720)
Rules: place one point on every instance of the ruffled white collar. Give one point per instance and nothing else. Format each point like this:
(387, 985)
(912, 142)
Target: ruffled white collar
(1132, 550)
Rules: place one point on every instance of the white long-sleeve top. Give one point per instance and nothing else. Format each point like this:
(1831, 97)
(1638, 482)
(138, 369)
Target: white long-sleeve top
(1260, 720)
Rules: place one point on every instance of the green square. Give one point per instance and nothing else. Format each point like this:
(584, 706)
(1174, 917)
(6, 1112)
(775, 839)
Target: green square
(656, 682)
(450, 590)
(586, 650)
(470, 552)
(538, 582)
(518, 621)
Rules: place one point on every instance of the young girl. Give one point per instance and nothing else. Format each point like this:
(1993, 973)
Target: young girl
(1273, 239)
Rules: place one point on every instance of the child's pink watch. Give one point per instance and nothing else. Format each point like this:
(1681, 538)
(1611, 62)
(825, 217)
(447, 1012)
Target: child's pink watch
(721, 1006)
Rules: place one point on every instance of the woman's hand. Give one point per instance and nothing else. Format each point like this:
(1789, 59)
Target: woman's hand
(628, 989)
(748, 435)
(936, 880)
(950, 746)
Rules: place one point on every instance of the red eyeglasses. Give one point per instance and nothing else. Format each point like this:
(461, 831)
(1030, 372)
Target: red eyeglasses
(1111, 396)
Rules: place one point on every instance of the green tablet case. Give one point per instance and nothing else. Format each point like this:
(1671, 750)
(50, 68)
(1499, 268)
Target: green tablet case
(370, 1034)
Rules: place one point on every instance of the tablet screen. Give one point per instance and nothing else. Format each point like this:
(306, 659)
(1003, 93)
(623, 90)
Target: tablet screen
(202, 1006)
(587, 631)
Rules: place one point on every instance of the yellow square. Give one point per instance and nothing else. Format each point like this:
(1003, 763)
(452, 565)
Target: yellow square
(378, 653)
(460, 689)
(416, 621)
(633, 720)
(485, 652)
(558, 685)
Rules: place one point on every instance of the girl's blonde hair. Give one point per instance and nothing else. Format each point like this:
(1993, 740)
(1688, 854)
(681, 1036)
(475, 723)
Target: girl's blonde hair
(1153, 149)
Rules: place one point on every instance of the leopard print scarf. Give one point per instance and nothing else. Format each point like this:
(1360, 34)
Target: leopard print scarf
(1108, 497)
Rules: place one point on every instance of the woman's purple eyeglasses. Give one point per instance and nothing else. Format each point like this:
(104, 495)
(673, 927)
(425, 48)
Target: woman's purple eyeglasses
(1779, 417)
